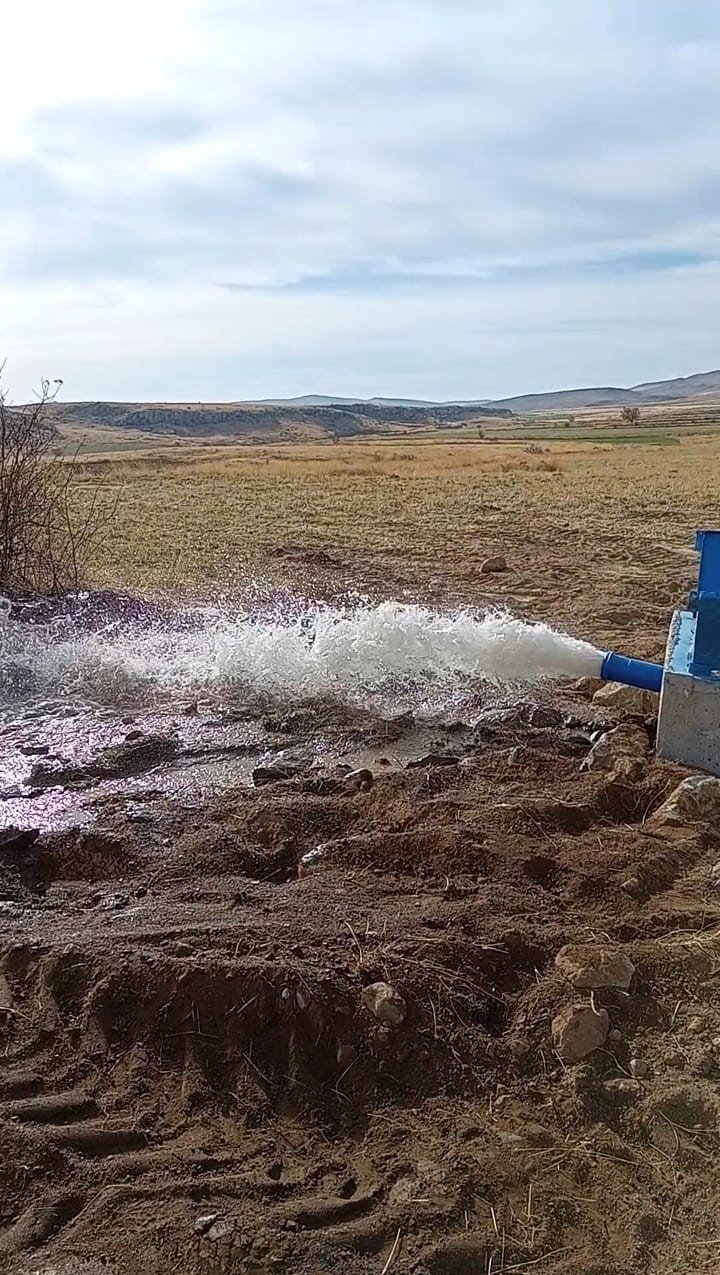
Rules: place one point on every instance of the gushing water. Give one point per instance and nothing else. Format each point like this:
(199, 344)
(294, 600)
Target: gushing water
(357, 653)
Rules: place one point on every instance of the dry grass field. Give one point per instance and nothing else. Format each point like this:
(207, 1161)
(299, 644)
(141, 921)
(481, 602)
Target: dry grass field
(597, 536)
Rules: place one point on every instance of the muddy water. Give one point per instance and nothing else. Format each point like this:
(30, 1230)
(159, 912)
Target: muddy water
(49, 756)
(109, 696)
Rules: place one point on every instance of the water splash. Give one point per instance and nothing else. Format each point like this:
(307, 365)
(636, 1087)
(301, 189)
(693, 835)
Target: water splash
(355, 652)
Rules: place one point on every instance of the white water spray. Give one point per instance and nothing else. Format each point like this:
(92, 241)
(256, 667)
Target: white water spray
(355, 653)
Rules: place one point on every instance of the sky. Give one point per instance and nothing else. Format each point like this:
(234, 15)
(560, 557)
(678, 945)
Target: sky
(444, 199)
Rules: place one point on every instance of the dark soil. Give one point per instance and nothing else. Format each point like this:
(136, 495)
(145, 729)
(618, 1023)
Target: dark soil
(190, 1081)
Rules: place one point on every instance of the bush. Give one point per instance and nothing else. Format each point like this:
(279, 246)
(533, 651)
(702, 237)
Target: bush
(630, 416)
(43, 540)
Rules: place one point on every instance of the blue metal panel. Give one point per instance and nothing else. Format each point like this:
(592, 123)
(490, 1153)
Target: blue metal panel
(707, 544)
(705, 604)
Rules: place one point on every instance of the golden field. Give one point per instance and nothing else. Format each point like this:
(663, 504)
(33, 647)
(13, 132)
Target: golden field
(598, 536)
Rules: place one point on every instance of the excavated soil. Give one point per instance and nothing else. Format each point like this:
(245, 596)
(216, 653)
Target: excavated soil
(191, 1079)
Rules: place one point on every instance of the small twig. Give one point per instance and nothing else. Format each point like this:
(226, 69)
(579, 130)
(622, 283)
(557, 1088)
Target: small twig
(393, 1253)
(356, 941)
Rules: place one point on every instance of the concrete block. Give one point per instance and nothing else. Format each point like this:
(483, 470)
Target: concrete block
(689, 718)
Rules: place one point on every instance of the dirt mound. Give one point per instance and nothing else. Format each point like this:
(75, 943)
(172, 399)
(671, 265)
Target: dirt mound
(197, 1072)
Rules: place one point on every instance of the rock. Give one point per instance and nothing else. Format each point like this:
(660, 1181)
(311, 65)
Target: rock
(542, 717)
(695, 800)
(629, 698)
(433, 759)
(621, 751)
(714, 875)
(579, 1029)
(592, 966)
(114, 902)
(284, 765)
(639, 1068)
(14, 840)
(582, 1080)
(315, 859)
(134, 755)
(696, 1024)
(357, 781)
(385, 1003)
(274, 774)
(204, 1222)
(588, 685)
(632, 887)
(622, 1088)
(491, 565)
(220, 1229)
(138, 812)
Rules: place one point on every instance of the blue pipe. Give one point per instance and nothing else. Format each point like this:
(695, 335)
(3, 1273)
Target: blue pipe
(641, 673)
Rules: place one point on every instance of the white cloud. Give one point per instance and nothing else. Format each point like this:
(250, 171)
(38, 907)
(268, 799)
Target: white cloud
(437, 197)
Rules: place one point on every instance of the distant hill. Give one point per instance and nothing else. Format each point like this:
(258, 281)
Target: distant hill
(264, 420)
(567, 400)
(702, 383)
(322, 416)
(323, 400)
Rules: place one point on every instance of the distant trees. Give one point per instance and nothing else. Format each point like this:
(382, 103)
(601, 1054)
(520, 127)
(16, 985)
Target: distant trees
(630, 416)
(43, 535)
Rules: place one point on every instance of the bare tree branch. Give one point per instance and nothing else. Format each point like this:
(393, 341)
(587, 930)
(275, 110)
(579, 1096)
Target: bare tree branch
(44, 540)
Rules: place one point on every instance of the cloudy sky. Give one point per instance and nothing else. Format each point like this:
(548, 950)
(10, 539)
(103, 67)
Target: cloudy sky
(228, 199)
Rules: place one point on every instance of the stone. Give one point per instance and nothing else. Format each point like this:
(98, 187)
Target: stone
(639, 1068)
(316, 858)
(629, 698)
(695, 800)
(542, 717)
(622, 1088)
(433, 759)
(204, 1222)
(714, 875)
(385, 1003)
(15, 840)
(114, 902)
(220, 1229)
(622, 751)
(578, 1030)
(588, 685)
(357, 781)
(592, 966)
(274, 773)
(490, 565)
(632, 887)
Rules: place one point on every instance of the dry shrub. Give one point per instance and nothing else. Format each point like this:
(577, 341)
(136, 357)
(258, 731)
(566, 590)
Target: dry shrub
(43, 541)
